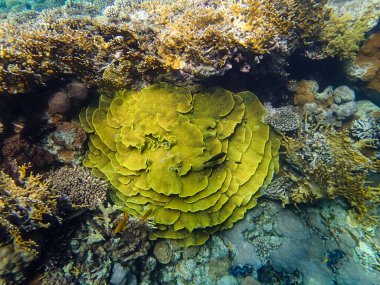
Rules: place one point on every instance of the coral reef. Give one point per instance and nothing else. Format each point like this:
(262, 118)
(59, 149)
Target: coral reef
(325, 163)
(95, 249)
(138, 41)
(79, 185)
(17, 149)
(307, 240)
(283, 119)
(366, 67)
(191, 162)
(66, 142)
(26, 207)
(329, 107)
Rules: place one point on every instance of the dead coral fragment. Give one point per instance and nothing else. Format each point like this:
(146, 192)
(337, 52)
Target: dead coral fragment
(194, 162)
(79, 185)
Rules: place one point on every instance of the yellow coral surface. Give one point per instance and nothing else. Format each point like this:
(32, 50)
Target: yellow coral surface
(192, 162)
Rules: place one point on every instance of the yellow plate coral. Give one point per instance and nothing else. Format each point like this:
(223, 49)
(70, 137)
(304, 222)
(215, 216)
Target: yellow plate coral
(193, 162)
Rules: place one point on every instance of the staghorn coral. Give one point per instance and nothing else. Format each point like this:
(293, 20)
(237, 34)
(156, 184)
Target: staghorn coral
(191, 162)
(79, 185)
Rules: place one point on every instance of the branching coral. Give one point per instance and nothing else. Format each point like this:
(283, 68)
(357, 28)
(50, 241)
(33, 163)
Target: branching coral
(79, 185)
(324, 163)
(367, 130)
(26, 208)
(191, 162)
(343, 34)
(140, 40)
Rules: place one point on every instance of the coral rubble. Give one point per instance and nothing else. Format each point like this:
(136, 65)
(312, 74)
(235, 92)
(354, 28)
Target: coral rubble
(95, 248)
(191, 162)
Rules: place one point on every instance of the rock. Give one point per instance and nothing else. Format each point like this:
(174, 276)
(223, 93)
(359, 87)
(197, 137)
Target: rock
(256, 211)
(227, 280)
(77, 91)
(119, 275)
(218, 249)
(249, 281)
(59, 102)
(163, 252)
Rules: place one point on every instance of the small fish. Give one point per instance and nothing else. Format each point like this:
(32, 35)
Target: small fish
(2, 51)
(146, 215)
(216, 157)
(122, 223)
(74, 215)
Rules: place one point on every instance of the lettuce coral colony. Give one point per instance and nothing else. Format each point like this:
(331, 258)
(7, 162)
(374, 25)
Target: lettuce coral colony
(191, 162)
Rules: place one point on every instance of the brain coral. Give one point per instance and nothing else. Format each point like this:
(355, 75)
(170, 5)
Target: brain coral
(192, 162)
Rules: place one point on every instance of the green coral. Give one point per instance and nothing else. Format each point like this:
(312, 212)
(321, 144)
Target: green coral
(192, 162)
(343, 35)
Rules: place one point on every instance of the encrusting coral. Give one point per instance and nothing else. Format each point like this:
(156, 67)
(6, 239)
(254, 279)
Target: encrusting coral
(193, 163)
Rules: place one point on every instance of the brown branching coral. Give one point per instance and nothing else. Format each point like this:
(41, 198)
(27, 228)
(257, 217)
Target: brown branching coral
(79, 185)
(323, 163)
(138, 41)
(26, 207)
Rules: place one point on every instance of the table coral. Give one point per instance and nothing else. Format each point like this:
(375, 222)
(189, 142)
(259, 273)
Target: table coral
(191, 162)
